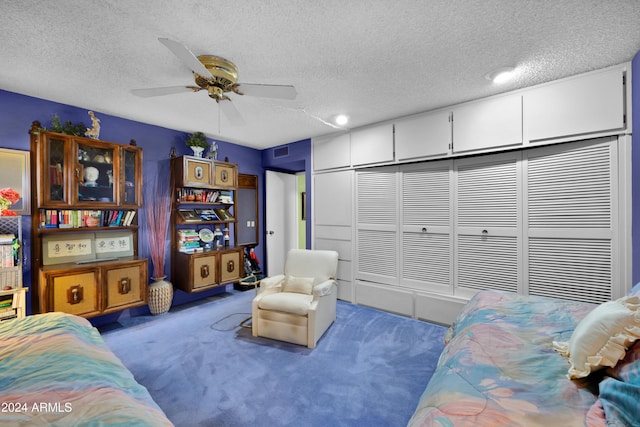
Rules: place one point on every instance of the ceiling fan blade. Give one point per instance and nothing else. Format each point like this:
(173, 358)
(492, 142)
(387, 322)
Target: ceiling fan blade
(186, 56)
(160, 91)
(231, 112)
(268, 91)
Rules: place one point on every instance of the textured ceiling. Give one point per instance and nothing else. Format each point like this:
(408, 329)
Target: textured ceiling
(372, 59)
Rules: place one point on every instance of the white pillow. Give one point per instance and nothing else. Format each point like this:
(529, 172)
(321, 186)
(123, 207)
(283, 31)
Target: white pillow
(301, 285)
(602, 337)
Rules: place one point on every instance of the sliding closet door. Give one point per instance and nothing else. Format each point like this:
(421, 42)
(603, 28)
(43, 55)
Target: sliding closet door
(426, 227)
(376, 225)
(570, 199)
(488, 216)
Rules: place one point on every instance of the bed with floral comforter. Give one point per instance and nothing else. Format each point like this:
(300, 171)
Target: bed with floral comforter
(499, 368)
(55, 369)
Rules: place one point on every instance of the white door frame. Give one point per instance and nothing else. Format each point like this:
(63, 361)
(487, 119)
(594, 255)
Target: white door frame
(281, 219)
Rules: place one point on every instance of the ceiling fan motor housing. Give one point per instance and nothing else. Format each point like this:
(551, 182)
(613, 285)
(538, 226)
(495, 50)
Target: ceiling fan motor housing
(225, 76)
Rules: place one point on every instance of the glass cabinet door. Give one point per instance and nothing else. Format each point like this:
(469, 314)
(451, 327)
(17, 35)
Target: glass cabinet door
(131, 174)
(54, 190)
(94, 173)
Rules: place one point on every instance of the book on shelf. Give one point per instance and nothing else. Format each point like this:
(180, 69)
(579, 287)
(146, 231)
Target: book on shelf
(191, 250)
(6, 252)
(189, 234)
(225, 197)
(207, 214)
(224, 214)
(189, 215)
(8, 314)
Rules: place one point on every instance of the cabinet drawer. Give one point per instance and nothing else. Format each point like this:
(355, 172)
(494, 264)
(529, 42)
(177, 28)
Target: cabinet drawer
(229, 267)
(194, 172)
(225, 176)
(124, 287)
(75, 293)
(204, 271)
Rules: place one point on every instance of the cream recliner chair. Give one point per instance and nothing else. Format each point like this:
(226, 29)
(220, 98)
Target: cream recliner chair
(299, 305)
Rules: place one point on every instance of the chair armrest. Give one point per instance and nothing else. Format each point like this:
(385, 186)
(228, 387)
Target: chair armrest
(324, 288)
(272, 284)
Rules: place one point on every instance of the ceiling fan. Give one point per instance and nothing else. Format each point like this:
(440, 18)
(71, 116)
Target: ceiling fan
(219, 77)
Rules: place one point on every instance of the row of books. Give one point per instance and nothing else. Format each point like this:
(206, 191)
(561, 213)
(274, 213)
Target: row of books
(189, 241)
(197, 195)
(7, 311)
(69, 218)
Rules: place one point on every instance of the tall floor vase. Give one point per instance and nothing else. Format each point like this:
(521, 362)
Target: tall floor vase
(160, 295)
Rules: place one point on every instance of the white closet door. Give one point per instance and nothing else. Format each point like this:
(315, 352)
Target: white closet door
(426, 237)
(487, 224)
(376, 225)
(570, 216)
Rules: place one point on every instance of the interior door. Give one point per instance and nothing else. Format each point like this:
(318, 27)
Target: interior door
(281, 219)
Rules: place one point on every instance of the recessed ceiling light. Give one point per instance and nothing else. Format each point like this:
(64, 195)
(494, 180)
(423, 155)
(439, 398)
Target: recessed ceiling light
(501, 74)
(341, 119)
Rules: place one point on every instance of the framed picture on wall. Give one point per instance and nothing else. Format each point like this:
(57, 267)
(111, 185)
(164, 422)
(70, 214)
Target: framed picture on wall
(15, 174)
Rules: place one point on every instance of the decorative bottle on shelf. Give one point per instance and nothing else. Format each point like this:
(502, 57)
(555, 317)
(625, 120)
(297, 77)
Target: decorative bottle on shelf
(226, 237)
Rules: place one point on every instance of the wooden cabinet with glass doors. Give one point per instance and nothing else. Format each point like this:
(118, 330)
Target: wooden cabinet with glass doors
(87, 193)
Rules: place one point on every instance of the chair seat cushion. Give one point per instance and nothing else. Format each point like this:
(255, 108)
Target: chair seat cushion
(293, 303)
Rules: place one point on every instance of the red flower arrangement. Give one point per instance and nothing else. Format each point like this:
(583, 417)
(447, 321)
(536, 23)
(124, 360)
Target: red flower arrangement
(7, 198)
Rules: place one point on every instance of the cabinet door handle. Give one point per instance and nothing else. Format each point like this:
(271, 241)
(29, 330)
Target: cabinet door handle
(125, 286)
(231, 266)
(204, 271)
(485, 232)
(75, 294)
(424, 229)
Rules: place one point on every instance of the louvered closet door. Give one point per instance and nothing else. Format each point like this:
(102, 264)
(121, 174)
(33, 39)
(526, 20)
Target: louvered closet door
(487, 224)
(570, 220)
(376, 225)
(426, 223)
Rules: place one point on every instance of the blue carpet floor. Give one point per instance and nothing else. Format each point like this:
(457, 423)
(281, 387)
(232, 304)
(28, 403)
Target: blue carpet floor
(203, 369)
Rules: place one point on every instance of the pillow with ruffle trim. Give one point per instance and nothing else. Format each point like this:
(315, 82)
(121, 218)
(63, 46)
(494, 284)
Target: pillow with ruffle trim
(602, 337)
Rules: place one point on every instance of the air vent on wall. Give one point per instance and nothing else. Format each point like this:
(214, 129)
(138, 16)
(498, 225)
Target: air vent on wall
(280, 152)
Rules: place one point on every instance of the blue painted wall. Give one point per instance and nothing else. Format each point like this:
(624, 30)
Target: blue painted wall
(17, 112)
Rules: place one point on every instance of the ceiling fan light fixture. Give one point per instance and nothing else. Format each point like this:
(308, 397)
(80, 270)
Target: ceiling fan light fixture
(501, 75)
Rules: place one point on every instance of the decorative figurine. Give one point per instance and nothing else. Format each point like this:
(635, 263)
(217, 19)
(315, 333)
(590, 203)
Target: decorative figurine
(91, 175)
(217, 237)
(94, 131)
(213, 151)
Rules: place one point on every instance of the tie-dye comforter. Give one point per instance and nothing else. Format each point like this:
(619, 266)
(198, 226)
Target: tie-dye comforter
(55, 369)
(499, 367)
